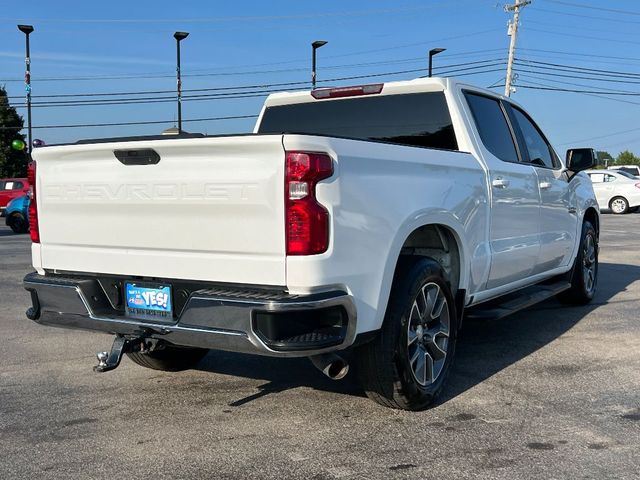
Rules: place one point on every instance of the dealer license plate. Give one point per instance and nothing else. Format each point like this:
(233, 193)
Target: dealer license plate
(149, 302)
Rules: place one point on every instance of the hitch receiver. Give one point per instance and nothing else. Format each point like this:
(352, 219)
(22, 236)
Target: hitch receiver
(121, 345)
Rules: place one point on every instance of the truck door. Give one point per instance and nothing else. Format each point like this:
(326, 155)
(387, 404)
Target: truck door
(558, 212)
(515, 198)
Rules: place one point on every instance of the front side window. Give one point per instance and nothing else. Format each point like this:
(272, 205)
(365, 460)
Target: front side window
(18, 186)
(540, 152)
(492, 126)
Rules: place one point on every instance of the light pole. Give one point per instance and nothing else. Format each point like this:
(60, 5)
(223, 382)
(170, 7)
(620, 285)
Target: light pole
(27, 29)
(314, 46)
(179, 36)
(432, 52)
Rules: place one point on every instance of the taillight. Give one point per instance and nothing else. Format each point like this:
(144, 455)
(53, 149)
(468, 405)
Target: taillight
(307, 222)
(33, 204)
(340, 92)
(637, 185)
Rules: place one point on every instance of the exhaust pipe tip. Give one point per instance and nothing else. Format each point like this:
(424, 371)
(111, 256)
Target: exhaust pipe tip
(332, 365)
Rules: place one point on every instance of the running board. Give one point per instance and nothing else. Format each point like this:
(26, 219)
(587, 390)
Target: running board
(512, 303)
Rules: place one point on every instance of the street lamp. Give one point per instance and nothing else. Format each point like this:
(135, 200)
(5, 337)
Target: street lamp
(27, 29)
(432, 52)
(179, 36)
(314, 46)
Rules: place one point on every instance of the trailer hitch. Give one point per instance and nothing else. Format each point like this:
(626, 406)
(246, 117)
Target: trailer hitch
(121, 345)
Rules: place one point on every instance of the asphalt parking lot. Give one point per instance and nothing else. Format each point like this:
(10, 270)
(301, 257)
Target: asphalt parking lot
(552, 392)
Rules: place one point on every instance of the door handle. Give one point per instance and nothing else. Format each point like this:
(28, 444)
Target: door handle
(141, 156)
(545, 185)
(500, 182)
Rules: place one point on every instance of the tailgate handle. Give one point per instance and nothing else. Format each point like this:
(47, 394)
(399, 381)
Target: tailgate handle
(140, 156)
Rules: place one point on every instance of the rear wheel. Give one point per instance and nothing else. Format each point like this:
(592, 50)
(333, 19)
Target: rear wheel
(170, 358)
(619, 205)
(18, 223)
(407, 363)
(584, 277)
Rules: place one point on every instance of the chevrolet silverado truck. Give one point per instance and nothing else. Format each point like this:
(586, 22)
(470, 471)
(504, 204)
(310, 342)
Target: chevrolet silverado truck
(355, 225)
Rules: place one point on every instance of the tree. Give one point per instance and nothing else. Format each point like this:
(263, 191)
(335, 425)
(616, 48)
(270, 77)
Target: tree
(13, 163)
(605, 158)
(627, 158)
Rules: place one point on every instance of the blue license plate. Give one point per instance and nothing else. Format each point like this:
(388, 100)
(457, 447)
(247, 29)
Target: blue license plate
(149, 302)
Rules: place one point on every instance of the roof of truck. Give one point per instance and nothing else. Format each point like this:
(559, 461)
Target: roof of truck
(422, 84)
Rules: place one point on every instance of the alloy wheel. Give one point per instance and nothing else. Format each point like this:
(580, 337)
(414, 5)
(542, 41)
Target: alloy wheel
(428, 334)
(589, 263)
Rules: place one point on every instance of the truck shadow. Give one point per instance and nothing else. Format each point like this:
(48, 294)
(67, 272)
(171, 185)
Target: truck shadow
(485, 347)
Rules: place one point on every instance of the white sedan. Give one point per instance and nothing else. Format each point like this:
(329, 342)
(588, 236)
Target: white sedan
(615, 190)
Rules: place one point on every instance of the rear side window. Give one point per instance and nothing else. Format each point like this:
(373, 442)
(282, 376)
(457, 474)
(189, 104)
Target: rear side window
(492, 126)
(597, 177)
(18, 186)
(632, 171)
(417, 119)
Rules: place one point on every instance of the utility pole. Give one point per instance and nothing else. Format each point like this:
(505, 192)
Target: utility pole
(513, 33)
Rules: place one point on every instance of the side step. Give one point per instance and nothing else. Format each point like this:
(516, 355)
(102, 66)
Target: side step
(503, 306)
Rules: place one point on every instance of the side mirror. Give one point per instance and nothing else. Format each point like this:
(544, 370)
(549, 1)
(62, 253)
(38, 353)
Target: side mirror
(579, 159)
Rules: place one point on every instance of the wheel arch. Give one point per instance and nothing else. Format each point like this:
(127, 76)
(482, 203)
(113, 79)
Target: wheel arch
(591, 215)
(413, 238)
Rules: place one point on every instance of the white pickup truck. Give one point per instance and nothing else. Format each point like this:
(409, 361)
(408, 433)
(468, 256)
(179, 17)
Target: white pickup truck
(355, 222)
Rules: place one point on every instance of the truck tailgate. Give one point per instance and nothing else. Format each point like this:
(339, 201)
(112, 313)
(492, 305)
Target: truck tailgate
(211, 209)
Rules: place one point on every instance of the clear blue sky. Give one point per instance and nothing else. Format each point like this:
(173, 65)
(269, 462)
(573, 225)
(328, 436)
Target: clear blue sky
(253, 43)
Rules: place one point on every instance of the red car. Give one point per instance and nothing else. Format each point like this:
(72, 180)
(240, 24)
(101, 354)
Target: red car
(11, 188)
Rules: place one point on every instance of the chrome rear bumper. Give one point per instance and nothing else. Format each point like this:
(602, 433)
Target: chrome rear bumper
(222, 319)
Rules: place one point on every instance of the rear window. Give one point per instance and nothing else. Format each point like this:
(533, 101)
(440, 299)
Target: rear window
(416, 119)
(629, 170)
(627, 173)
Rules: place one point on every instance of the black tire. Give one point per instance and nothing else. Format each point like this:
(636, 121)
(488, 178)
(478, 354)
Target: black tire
(583, 288)
(383, 365)
(620, 207)
(18, 223)
(169, 358)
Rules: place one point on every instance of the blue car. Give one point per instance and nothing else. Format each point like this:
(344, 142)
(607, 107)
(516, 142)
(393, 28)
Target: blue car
(17, 214)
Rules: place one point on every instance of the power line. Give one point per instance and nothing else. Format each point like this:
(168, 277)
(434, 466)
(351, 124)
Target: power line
(576, 54)
(247, 94)
(151, 122)
(556, 25)
(564, 34)
(260, 18)
(591, 7)
(154, 122)
(586, 69)
(572, 83)
(600, 96)
(573, 14)
(573, 90)
(568, 74)
(215, 89)
(146, 75)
